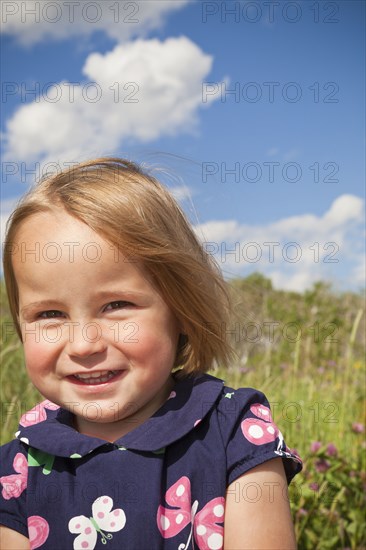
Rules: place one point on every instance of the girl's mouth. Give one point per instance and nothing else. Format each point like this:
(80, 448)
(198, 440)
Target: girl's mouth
(95, 378)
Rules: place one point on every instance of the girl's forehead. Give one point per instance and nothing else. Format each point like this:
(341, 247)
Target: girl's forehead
(56, 223)
(55, 244)
(56, 237)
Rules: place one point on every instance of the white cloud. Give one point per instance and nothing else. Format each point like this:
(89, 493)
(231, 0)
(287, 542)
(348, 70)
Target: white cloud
(139, 90)
(343, 209)
(296, 251)
(296, 282)
(31, 21)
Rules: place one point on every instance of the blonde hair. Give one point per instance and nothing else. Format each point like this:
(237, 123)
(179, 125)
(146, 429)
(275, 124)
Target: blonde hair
(134, 212)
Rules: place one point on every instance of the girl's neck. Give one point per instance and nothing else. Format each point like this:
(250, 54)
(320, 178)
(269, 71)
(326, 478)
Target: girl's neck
(112, 431)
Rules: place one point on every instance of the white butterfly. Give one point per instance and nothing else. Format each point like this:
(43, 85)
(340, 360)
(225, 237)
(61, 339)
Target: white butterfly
(104, 518)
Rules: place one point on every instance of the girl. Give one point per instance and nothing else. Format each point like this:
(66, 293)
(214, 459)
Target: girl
(120, 312)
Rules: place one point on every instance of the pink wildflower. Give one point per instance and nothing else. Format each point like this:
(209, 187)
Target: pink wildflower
(332, 450)
(315, 446)
(358, 428)
(322, 465)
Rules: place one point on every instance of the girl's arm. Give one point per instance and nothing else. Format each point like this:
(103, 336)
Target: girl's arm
(257, 512)
(12, 540)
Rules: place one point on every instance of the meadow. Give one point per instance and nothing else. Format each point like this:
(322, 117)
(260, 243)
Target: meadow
(306, 352)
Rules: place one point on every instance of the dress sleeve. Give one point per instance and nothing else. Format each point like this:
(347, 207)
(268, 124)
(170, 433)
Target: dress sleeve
(13, 479)
(250, 435)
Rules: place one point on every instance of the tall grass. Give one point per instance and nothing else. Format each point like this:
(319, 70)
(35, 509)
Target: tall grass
(306, 352)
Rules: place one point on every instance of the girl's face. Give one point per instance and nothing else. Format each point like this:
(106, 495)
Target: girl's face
(98, 338)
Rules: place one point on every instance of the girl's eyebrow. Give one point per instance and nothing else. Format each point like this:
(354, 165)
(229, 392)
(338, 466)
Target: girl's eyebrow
(116, 294)
(41, 304)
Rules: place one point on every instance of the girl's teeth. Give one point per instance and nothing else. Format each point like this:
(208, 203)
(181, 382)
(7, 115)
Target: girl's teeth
(95, 377)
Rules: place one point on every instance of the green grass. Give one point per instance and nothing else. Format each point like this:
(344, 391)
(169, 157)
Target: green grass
(306, 353)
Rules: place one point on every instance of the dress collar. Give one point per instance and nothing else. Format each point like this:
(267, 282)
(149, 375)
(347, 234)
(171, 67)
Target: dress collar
(191, 399)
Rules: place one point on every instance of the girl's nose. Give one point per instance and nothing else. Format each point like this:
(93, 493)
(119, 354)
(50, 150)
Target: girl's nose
(86, 339)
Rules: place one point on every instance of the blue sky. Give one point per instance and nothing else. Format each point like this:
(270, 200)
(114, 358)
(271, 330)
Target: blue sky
(255, 109)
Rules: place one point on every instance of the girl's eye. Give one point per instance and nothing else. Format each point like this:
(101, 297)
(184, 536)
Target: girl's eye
(51, 314)
(119, 304)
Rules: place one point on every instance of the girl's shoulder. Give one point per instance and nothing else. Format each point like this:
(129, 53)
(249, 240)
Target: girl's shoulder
(247, 406)
(249, 433)
(231, 402)
(207, 393)
(241, 398)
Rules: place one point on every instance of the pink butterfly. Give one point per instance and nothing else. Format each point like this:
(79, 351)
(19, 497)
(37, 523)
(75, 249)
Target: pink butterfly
(207, 533)
(103, 518)
(259, 431)
(262, 412)
(37, 413)
(38, 530)
(14, 485)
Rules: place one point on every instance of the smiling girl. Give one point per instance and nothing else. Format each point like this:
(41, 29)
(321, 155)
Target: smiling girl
(119, 310)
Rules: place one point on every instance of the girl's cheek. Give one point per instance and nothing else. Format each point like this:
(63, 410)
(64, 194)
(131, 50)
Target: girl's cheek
(31, 352)
(37, 350)
(41, 334)
(32, 334)
(126, 335)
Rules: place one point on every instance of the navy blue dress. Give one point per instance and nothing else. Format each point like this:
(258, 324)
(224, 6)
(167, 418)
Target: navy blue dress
(161, 486)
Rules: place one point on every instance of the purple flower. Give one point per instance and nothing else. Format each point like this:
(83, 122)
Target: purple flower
(315, 446)
(332, 450)
(302, 512)
(358, 428)
(322, 465)
(314, 486)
